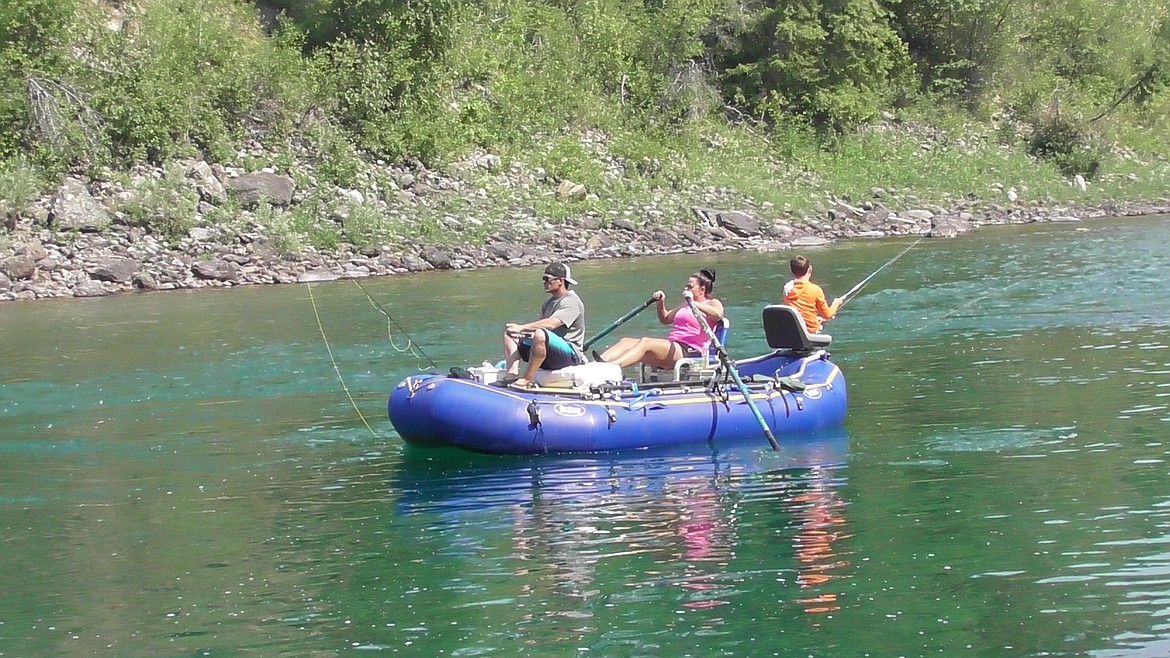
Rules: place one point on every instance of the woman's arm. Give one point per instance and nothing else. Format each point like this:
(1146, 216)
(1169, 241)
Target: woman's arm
(712, 308)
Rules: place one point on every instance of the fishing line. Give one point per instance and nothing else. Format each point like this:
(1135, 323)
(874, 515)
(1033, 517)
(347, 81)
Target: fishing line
(968, 304)
(321, 328)
(866, 280)
(410, 344)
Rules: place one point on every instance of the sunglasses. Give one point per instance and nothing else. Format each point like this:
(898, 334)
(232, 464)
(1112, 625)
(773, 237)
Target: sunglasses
(690, 286)
(546, 278)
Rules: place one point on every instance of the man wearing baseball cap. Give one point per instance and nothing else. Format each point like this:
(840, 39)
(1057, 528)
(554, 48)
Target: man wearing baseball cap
(553, 341)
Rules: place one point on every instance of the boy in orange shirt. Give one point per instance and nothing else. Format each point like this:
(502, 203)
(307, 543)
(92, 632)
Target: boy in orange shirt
(807, 297)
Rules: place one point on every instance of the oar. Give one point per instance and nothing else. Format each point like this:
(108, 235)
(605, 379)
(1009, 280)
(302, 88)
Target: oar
(859, 286)
(726, 361)
(619, 322)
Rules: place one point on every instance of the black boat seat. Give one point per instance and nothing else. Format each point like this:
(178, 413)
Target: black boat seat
(784, 330)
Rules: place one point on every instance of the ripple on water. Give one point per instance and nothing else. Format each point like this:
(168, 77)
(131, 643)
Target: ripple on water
(980, 439)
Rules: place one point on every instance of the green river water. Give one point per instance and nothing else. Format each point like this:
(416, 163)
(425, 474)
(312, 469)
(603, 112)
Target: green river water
(183, 474)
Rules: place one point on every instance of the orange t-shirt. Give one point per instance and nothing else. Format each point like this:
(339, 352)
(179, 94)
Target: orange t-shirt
(808, 298)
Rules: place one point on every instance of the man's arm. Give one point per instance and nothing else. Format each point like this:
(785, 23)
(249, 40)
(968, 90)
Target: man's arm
(549, 323)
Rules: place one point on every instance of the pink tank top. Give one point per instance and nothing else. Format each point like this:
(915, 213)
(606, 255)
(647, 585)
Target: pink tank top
(686, 330)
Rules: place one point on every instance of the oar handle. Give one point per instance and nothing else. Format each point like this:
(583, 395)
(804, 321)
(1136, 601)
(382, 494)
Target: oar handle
(619, 322)
(726, 361)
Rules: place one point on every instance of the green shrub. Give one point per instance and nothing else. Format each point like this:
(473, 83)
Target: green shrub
(1065, 144)
(20, 183)
(166, 206)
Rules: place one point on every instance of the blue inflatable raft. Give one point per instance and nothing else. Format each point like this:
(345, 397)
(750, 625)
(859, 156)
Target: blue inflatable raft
(796, 388)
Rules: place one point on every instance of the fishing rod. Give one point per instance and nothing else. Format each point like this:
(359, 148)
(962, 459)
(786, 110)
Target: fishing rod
(861, 284)
(410, 344)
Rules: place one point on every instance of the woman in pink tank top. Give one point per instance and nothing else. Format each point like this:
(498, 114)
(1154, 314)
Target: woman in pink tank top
(686, 338)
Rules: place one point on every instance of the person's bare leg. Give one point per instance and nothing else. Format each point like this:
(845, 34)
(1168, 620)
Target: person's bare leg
(618, 350)
(535, 357)
(511, 354)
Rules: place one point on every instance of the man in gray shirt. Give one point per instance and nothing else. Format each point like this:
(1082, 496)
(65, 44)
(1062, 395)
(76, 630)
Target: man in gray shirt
(553, 341)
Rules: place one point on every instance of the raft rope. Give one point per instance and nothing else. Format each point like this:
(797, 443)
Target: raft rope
(344, 387)
(419, 354)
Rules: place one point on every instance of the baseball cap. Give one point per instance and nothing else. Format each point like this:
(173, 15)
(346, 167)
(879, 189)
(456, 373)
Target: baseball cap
(561, 271)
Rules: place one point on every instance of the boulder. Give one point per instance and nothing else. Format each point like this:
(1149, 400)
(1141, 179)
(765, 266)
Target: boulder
(438, 258)
(89, 288)
(570, 190)
(504, 250)
(216, 270)
(253, 188)
(416, 264)
(144, 281)
(34, 250)
(810, 241)
(18, 267)
(73, 208)
(316, 276)
(739, 223)
(210, 189)
(949, 226)
(115, 270)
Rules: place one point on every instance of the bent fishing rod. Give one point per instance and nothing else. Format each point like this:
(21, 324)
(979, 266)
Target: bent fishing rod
(863, 282)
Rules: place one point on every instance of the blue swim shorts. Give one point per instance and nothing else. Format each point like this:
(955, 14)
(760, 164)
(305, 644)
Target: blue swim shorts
(560, 353)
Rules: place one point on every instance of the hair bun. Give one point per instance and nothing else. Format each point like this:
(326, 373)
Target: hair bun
(709, 273)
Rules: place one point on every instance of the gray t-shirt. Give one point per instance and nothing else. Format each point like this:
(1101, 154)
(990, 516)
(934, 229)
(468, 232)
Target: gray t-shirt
(570, 310)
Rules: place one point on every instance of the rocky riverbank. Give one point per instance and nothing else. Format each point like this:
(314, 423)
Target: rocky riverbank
(89, 238)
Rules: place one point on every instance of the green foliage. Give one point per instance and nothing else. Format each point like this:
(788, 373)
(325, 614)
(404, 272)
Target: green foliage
(20, 183)
(189, 75)
(1065, 144)
(825, 62)
(165, 206)
(957, 44)
(34, 40)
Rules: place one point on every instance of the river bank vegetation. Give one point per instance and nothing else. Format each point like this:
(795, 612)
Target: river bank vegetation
(781, 108)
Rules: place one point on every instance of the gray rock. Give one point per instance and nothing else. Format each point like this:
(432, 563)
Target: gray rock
(18, 268)
(918, 214)
(34, 250)
(89, 288)
(72, 208)
(739, 223)
(216, 270)
(144, 281)
(504, 250)
(316, 276)
(416, 264)
(810, 241)
(209, 188)
(201, 234)
(949, 227)
(5, 282)
(625, 224)
(250, 189)
(438, 258)
(115, 270)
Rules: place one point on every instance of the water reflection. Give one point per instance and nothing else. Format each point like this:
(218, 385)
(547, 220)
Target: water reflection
(664, 523)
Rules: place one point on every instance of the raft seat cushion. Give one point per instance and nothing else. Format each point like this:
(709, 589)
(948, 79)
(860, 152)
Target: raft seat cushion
(784, 329)
(587, 374)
